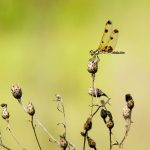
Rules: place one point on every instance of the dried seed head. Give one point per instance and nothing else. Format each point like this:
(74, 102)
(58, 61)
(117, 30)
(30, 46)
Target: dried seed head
(91, 142)
(95, 92)
(83, 133)
(110, 124)
(88, 124)
(126, 113)
(128, 97)
(5, 113)
(130, 104)
(58, 97)
(93, 65)
(16, 92)
(109, 115)
(63, 142)
(3, 105)
(30, 109)
(103, 114)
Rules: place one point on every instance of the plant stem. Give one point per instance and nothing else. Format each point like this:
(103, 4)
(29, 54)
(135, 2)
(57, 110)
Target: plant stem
(64, 118)
(40, 124)
(2, 145)
(110, 139)
(46, 131)
(33, 127)
(96, 111)
(85, 140)
(12, 134)
(93, 79)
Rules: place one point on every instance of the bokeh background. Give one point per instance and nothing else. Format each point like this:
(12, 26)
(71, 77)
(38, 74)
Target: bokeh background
(44, 47)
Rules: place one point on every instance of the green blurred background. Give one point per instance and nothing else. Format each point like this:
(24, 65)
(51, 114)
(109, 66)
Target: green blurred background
(44, 47)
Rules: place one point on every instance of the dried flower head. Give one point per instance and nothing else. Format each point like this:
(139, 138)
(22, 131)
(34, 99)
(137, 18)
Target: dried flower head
(5, 113)
(16, 92)
(128, 97)
(3, 105)
(93, 65)
(103, 114)
(91, 143)
(110, 124)
(88, 124)
(95, 92)
(126, 113)
(82, 133)
(58, 97)
(63, 142)
(30, 109)
(130, 104)
(109, 115)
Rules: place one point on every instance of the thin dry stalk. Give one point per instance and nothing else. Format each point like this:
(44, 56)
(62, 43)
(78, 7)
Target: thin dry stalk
(33, 127)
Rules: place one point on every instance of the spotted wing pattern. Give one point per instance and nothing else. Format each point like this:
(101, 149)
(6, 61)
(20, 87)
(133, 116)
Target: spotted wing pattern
(106, 35)
(109, 39)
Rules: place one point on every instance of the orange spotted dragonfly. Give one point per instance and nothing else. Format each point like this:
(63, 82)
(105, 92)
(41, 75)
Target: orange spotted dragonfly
(108, 41)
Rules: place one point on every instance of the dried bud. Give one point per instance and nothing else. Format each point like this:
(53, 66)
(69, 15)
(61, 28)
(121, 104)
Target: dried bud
(63, 142)
(110, 124)
(126, 113)
(91, 143)
(30, 109)
(130, 104)
(3, 105)
(128, 97)
(5, 113)
(16, 92)
(109, 115)
(93, 65)
(58, 97)
(95, 92)
(83, 134)
(103, 114)
(88, 124)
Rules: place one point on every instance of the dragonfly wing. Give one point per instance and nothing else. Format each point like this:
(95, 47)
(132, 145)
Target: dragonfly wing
(112, 41)
(105, 38)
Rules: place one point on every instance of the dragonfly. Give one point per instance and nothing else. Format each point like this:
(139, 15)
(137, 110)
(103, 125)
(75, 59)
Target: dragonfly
(108, 41)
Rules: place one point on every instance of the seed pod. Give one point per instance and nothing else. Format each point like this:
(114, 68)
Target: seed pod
(3, 105)
(130, 104)
(5, 113)
(93, 65)
(109, 115)
(126, 113)
(103, 114)
(91, 142)
(128, 97)
(16, 92)
(110, 124)
(83, 133)
(30, 109)
(58, 97)
(95, 92)
(63, 142)
(88, 124)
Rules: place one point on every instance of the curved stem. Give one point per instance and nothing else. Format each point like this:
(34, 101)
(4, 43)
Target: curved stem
(46, 131)
(33, 127)
(12, 134)
(2, 145)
